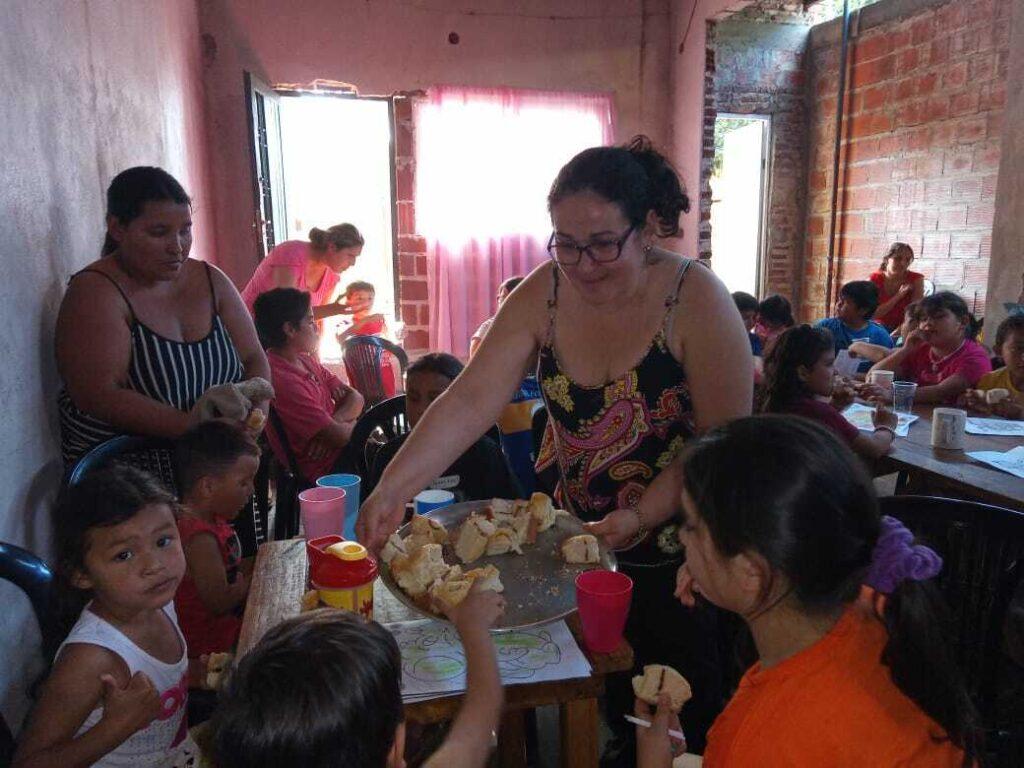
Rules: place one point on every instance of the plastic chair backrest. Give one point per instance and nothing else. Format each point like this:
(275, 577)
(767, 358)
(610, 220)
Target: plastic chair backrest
(152, 454)
(31, 575)
(362, 355)
(380, 423)
(982, 547)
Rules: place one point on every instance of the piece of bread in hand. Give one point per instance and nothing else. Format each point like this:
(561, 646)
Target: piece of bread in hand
(472, 539)
(657, 678)
(256, 420)
(426, 526)
(582, 548)
(393, 547)
(445, 594)
(216, 666)
(996, 396)
(415, 573)
(488, 576)
(502, 541)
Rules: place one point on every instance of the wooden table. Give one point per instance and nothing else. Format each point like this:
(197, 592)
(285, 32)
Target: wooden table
(933, 470)
(279, 581)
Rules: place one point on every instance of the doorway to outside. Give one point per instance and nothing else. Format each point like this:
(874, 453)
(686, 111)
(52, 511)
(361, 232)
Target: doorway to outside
(739, 184)
(320, 160)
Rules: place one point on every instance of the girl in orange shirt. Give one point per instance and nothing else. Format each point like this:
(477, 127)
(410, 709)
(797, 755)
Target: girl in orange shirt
(781, 526)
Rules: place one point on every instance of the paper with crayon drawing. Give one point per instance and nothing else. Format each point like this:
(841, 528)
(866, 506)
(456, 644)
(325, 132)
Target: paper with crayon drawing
(860, 416)
(434, 664)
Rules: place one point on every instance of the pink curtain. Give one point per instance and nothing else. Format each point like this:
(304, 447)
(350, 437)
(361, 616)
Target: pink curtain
(485, 160)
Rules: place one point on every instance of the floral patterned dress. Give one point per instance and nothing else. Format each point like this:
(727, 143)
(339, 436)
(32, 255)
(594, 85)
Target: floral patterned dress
(611, 441)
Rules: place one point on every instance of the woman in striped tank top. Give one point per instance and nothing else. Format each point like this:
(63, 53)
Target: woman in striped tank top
(144, 331)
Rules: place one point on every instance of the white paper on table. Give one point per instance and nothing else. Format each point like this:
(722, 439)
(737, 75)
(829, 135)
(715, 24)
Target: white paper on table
(434, 664)
(1012, 461)
(846, 364)
(860, 416)
(979, 426)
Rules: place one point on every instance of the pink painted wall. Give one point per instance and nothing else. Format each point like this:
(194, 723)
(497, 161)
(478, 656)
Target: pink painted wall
(98, 87)
(393, 45)
(687, 99)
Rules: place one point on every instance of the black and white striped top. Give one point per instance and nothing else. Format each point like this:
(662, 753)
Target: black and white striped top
(173, 372)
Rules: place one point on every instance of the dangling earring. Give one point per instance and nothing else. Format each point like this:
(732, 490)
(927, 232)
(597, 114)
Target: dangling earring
(648, 247)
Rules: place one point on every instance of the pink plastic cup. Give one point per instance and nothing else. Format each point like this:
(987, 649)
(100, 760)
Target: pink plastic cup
(323, 512)
(603, 601)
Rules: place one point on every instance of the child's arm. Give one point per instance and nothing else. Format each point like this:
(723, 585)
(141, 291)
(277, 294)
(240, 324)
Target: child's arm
(872, 352)
(206, 567)
(469, 741)
(82, 677)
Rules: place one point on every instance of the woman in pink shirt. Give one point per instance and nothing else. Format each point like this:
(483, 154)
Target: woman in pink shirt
(314, 267)
(940, 356)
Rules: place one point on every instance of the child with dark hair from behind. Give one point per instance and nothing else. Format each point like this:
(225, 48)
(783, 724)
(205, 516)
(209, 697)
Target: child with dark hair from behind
(324, 690)
(774, 315)
(216, 464)
(117, 692)
(747, 306)
(799, 379)
(781, 525)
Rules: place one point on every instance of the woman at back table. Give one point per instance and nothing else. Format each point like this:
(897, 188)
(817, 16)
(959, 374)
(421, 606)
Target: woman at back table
(898, 286)
(145, 330)
(314, 267)
(622, 398)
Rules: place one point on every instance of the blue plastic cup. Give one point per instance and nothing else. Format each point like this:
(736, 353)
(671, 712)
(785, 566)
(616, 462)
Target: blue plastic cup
(431, 499)
(351, 485)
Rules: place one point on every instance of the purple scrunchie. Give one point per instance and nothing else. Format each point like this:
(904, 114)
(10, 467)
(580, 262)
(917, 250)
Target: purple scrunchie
(897, 558)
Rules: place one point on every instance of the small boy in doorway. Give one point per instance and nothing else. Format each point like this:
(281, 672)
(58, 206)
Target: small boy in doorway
(852, 322)
(359, 297)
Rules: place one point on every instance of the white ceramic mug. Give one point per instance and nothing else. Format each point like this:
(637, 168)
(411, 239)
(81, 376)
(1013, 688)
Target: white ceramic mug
(882, 378)
(949, 428)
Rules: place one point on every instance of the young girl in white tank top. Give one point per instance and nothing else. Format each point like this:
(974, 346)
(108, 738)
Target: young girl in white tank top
(117, 693)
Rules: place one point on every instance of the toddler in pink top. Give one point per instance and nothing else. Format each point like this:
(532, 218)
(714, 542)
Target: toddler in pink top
(314, 267)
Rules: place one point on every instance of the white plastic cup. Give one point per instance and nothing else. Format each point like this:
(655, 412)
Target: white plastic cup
(949, 429)
(882, 378)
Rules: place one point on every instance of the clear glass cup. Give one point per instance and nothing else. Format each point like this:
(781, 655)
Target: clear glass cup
(903, 396)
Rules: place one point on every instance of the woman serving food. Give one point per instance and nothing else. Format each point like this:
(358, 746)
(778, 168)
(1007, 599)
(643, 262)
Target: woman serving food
(623, 397)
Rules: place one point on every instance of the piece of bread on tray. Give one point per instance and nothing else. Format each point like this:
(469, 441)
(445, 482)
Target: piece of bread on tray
(502, 541)
(657, 678)
(543, 511)
(393, 547)
(415, 573)
(427, 526)
(473, 536)
(581, 548)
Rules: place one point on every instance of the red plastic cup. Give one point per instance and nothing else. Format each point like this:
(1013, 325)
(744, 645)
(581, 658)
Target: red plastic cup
(322, 511)
(603, 601)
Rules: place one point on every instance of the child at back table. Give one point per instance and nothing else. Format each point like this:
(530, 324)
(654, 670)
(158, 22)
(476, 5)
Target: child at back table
(117, 692)
(216, 464)
(1009, 345)
(798, 376)
(781, 526)
(325, 690)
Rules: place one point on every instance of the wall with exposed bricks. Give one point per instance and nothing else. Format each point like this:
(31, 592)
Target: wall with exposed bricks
(755, 65)
(921, 143)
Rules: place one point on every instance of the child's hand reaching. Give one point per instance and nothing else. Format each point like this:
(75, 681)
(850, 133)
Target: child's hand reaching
(133, 707)
(842, 394)
(974, 401)
(654, 747)
(479, 611)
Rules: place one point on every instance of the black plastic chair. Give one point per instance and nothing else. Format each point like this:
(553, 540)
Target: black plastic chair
(288, 482)
(33, 577)
(363, 355)
(982, 547)
(379, 424)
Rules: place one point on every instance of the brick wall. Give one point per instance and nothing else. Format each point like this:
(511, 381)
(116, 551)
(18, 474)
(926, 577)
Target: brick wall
(755, 65)
(412, 249)
(920, 143)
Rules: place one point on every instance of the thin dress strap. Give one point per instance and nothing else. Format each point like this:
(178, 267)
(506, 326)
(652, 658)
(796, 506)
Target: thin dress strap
(131, 309)
(672, 299)
(213, 293)
(549, 339)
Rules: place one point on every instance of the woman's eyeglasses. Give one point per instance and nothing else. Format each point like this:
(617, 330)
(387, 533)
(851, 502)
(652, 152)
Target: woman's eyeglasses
(567, 253)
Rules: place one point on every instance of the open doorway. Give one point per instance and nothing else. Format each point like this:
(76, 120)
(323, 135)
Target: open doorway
(738, 196)
(338, 167)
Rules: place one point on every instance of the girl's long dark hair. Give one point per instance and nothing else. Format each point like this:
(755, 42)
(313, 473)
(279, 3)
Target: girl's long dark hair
(787, 489)
(798, 346)
(102, 499)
